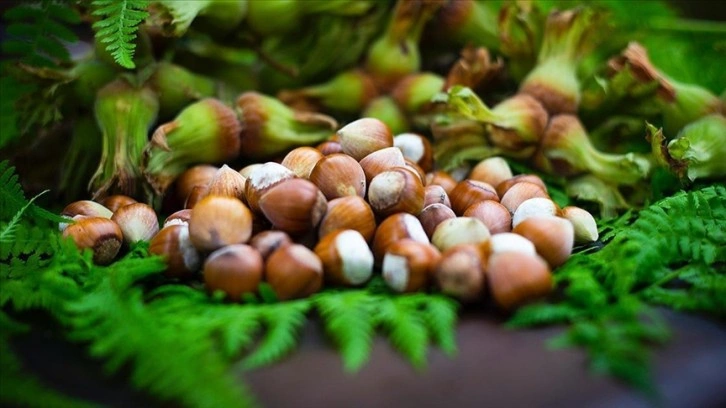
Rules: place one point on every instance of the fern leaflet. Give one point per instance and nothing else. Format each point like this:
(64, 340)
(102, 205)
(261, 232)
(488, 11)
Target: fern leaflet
(121, 19)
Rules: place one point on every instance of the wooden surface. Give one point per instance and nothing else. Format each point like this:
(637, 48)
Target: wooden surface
(495, 367)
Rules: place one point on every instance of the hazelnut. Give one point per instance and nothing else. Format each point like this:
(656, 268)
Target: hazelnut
(199, 175)
(175, 246)
(415, 147)
(346, 258)
(583, 222)
(339, 175)
(228, 182)
(408, 265)
(396, 190)
(534, 207)
(180, 217)
(460, 272)
(218, 221)
(553, 237)
(432, 215)
(350, 212)
(301, 160)
(515, 278)
(459, 230)
(138, 222)
(505, 185)
(114, 202)
(234, 270)
(507, 241)
(435, 194)
(295, 206)
(394, 228)
(329, 147)
(493, 214)
(263, 178)
(468, 192)
(266, 242)
(521, 192)
(294, 271)
(416, 169)
(364, 136)
(196, 195)
(84, 208)
(381, 160)
(101, 235)
(492, 171)
(441, 178)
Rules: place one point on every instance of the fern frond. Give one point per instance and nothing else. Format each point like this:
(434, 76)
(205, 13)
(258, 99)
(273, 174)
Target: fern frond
(7, 233)
(12, 198)
(406, 329)
(118, 27)
(440, 316)
(283, 322)
(37, 32)
(348, 321)
(543, 314)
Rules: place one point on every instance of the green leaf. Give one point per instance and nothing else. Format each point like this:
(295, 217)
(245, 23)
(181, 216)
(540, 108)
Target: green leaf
(118, 27)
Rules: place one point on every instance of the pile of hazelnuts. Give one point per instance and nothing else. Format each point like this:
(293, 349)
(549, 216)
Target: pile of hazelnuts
(362, 202)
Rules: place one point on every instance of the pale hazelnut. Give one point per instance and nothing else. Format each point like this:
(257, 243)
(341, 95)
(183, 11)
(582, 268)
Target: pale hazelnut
(415, 147)
(138, 222)
(84, 208)
(228, 182)
(583, 222)
(553, 237)
(505, 185)
(180, 217)
(459, 230)
(492, 171)
(364, 136)
(507, 242)
(346, 258)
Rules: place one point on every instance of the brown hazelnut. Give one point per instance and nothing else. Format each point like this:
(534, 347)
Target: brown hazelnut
(380, 161)
(408, 265)
(515, 278)
(492, 171)
(114, 202)
(441, 178)
(295, 206)
(505, 185)
(394, 228)
(294, 271)
(174, 245)
(521, 192)
(493, 214)
(101, 235)
(417, 148)
(553, 237)
(228, 182)
(460, 272)
(350, 212)
(468, 192)
(301, 160)
(180, 217)
(435, 194)
(433, 215)
(263, 178)
(338, 175)
(396, 190)
(218, 221)
(85, 208)
(234, 270)
(266, 242)
(199, 175)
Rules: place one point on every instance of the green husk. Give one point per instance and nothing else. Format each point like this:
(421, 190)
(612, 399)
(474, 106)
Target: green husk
(385, 109)
(175, 17)
(566, 150)
(520, 29)
(466, 22)
(349, 91)
(415, 91)
(697, 152)
(269, 127)
(81, 159)
(206, 131)
(124, 113)
(568, 38)
(606, 195)
(177, 87)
